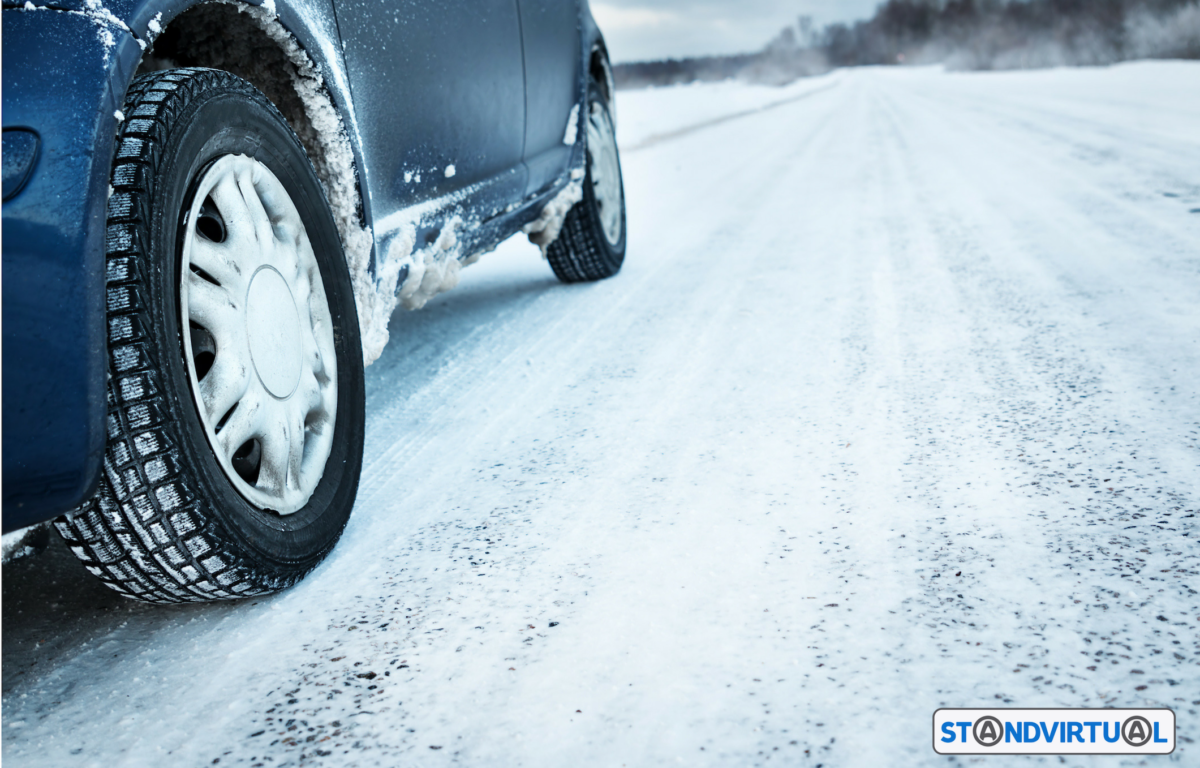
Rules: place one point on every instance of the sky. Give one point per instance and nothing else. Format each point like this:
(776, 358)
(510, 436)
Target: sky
(640, 30)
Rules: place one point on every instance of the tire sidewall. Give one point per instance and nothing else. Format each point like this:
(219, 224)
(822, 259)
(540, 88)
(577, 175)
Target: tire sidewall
(236, 119)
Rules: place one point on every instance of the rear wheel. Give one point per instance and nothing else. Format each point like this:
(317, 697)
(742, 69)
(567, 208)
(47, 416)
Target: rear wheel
(591, 245)
(235, 422)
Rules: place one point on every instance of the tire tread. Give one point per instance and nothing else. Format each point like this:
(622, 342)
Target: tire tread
(577, 255)
(144, 534)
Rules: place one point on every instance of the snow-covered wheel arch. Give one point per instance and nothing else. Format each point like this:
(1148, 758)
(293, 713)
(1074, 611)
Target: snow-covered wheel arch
(250, 42)
(601, 71)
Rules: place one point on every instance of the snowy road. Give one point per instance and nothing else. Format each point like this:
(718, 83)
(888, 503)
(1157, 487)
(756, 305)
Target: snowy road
(894, 406)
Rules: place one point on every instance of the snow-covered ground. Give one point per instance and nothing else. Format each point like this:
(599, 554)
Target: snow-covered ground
(651, 115)
(893, 407)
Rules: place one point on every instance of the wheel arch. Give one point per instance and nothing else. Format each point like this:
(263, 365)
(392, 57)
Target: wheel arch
(597, 64)
(304, 77)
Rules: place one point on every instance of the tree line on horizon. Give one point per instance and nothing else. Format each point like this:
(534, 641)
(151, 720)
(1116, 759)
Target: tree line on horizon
(961, 34)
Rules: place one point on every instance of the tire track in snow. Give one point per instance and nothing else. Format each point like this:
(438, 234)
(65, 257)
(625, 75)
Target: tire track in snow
(678, 133)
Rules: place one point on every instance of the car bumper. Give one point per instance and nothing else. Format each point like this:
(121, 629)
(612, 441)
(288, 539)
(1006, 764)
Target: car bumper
(62, 83)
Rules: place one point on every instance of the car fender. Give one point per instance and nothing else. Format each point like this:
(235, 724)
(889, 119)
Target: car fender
(64, 81)
(594, 63)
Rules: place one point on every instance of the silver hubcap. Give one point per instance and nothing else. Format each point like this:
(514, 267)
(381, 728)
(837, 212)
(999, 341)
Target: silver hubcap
(605, 172)
(259, 345)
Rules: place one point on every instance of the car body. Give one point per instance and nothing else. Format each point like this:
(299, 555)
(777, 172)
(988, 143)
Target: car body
(439, 129)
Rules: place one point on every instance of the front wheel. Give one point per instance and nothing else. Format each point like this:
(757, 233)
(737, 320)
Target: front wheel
(591, 245)
(236, 395)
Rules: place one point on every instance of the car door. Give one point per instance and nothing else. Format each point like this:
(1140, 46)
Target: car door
(438, 89)
(552, 60)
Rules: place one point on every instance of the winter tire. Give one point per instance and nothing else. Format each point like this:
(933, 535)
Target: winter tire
(591, 245)
(235, 395)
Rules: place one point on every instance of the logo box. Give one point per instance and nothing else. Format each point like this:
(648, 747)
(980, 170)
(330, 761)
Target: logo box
(1054, 731)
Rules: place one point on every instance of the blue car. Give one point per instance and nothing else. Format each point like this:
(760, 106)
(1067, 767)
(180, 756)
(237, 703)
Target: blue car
(211, 209)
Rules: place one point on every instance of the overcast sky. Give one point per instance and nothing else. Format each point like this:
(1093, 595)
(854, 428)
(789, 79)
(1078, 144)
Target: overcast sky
(639, 30)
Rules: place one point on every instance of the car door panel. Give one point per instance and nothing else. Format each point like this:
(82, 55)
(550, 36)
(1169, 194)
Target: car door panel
(439, 98)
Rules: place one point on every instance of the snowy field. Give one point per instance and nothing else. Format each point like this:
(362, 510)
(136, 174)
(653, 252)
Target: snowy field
(893, 407)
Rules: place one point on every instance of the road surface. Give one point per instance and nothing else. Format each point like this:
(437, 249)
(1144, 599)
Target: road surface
(893, 407)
